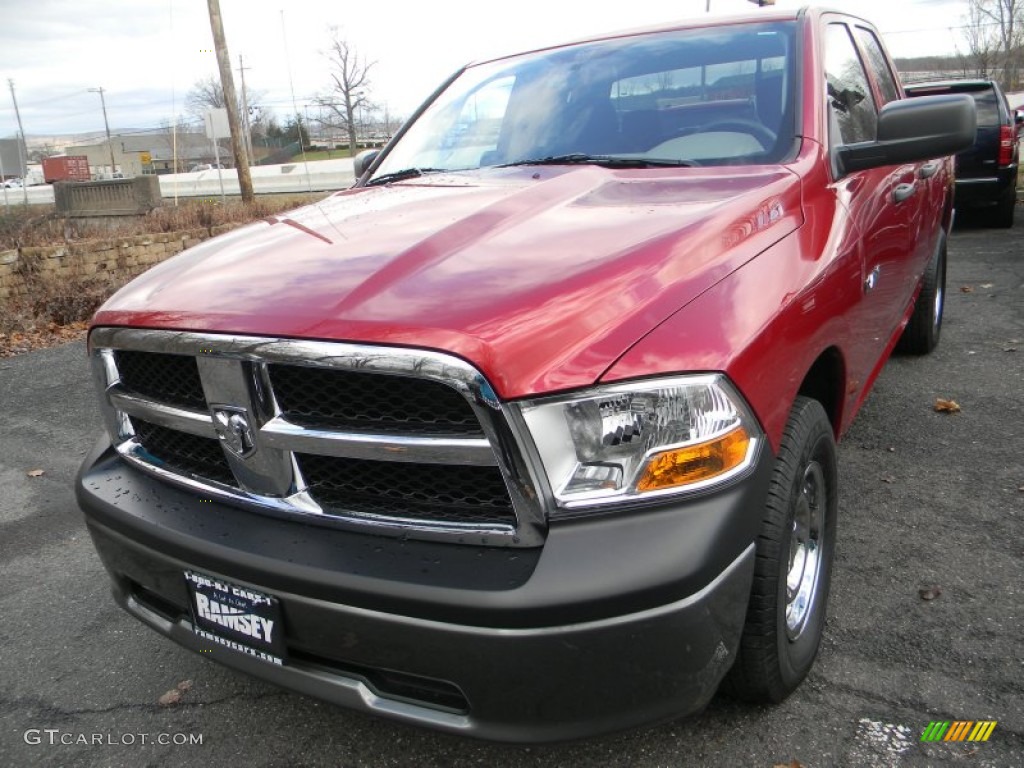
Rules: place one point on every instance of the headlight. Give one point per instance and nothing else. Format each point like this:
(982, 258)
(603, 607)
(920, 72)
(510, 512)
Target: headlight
(633, 441)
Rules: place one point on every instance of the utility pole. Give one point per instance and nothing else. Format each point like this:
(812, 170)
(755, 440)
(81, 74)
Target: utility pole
(245, 109)
(2, 179)
(110, 142)
(23, 149)
(231, 101)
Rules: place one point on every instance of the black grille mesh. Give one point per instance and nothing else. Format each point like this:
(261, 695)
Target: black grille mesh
(183, 453)
(434, 492)
(334, 399)
(371, 402)
(166, 378)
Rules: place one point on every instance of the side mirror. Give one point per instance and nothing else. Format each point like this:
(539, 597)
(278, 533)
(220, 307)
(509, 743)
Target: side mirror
(915, 129)
(363, 160)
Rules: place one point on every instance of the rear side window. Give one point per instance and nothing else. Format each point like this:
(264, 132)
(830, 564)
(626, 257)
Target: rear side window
(878, 65)
(986, 100)
(852, 111)
(988, 109)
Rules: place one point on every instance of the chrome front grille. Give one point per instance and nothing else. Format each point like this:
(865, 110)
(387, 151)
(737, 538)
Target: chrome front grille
(171, 379)
(418, 492)
(193, 456)
(352, 400)
(396, 441)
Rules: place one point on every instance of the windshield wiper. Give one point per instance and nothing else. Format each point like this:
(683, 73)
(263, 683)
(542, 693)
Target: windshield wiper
(605, 161)
(402, 175)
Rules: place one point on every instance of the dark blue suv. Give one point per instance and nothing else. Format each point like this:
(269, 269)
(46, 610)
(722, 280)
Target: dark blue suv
(986, 173)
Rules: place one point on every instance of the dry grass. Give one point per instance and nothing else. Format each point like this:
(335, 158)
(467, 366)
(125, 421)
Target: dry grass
(57, 308)
(55, 311)
(20, 227)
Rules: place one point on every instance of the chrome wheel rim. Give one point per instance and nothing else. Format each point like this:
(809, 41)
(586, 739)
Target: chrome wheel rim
(806, 537)
(937, 308)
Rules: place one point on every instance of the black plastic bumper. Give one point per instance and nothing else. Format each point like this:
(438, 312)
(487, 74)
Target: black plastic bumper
(616, 621)
(983, 192)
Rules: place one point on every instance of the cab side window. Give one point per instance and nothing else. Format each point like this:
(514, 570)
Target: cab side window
(852, 111)
(878, 65)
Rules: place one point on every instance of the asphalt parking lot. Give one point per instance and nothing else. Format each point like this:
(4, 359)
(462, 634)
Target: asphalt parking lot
(927, 500)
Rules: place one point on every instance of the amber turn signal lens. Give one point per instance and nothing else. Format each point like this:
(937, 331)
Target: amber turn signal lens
(682, 466)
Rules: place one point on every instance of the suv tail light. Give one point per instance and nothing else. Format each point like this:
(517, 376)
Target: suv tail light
(1006, 140)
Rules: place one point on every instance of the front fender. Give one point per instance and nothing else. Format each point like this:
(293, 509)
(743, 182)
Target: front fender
(765, 324)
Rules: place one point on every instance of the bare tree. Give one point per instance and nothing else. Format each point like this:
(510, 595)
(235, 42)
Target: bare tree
(259, 118)
(980, 38)
(995, 35)
(204, 95)
(349, 96)
(207, 94)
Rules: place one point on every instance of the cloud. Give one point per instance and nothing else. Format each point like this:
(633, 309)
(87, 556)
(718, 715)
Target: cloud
(148, 53)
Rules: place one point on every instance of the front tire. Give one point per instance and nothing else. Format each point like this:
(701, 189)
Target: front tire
(795, 548)
(921, 335)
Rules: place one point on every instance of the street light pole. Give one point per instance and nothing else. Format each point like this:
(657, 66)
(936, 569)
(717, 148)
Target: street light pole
(110, 142)
(246, 127)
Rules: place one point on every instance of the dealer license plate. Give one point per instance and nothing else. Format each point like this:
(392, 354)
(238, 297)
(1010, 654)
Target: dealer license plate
(236, 617)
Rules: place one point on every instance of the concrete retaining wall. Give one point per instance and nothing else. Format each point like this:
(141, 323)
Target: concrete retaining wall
(119, 258)
(318, 176)
(116, 197)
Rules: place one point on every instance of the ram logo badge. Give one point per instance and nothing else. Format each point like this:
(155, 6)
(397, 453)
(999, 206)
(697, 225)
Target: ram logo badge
(232, 425)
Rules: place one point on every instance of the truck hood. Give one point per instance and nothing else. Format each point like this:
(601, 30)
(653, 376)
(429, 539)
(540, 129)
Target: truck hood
(540, 276)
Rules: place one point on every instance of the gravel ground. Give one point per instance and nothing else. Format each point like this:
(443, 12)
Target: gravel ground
(928, 500)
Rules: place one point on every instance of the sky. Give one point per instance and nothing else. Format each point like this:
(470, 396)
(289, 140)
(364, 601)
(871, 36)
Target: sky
(147, 54)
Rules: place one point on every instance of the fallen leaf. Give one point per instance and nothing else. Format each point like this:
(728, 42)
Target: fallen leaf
(170, 698)
(790, 764)
(35, 473)
(888, 478)
(930, 593)
(987, 285)
(946, 406)
(184, 686)
(966, 289)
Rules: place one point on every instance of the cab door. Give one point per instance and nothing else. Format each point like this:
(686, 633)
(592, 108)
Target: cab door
(922, 183)
(883, 203)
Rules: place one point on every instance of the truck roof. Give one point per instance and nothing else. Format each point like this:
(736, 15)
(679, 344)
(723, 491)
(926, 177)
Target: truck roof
(965, 85)
(764, 15)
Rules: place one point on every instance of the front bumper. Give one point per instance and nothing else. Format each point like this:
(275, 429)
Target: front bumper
(615, 621)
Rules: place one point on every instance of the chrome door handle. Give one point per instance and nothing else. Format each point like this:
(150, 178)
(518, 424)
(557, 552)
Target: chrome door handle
(902, 191)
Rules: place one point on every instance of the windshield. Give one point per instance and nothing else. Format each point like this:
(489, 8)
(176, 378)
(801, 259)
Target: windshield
(701, 96)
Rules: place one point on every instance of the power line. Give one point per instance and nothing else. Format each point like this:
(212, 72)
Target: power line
(940, 29)
(50, 99)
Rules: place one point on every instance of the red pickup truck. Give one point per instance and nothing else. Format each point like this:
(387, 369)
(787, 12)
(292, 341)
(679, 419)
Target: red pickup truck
(530, 434)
